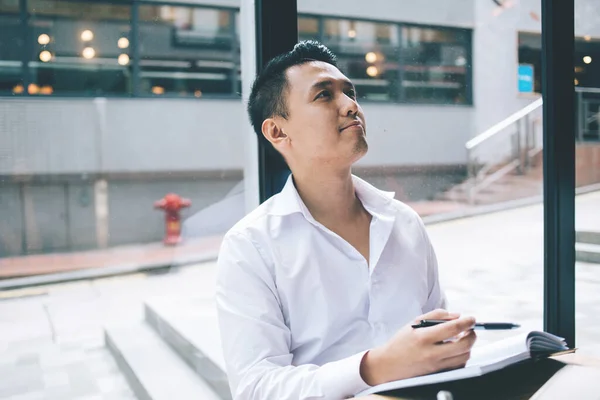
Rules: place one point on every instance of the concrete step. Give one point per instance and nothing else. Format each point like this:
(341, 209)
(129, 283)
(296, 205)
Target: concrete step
(588, 237)
(152, 369)
(589, 253)
(190, 327)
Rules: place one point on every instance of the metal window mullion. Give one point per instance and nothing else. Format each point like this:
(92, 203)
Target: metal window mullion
(400, 88)
(135, 48)
(468, 43)
(27, 46)
(559, 167)
(276, 32)
(235, 51)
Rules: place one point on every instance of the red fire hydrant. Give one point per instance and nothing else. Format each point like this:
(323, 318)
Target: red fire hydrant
(172, 204)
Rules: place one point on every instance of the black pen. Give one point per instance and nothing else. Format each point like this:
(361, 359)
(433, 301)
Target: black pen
(480, 325)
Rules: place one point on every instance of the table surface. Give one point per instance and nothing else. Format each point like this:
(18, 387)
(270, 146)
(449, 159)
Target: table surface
(566, 376)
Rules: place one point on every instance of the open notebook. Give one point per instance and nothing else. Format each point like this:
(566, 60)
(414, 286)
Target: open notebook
(487, 358)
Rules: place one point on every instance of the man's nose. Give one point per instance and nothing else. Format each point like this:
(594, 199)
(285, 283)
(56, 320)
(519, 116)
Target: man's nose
(349, 106)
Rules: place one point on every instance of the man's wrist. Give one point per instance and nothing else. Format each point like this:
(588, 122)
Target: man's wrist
(370, 367)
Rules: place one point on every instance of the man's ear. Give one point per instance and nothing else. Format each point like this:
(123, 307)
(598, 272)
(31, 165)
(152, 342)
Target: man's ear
(273, 132)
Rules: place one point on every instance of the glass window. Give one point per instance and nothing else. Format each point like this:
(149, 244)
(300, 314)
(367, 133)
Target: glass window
(79, 48)
(434, 65)
(11, 48)
(367, 53)
(308, 28)
(530, 63)
(9, 6)
(187, 51)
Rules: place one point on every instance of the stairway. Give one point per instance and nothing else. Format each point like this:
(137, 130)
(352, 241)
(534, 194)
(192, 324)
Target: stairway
(587, 247)
(512, 186)
(175, 353)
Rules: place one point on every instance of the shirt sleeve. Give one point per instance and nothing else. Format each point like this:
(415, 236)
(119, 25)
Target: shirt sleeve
(256, 341)
(437, 297)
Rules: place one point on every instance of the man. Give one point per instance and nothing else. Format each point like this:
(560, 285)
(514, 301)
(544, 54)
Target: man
(318, 286)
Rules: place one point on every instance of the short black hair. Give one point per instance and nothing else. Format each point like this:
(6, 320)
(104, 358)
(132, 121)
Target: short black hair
(267, 98)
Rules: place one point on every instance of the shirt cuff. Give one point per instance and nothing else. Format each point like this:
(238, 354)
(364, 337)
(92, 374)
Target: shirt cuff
(341, 379)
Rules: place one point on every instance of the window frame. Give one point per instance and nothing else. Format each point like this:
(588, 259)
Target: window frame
(559, 147)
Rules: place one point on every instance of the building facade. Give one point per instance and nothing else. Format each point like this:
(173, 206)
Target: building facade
(107, 106)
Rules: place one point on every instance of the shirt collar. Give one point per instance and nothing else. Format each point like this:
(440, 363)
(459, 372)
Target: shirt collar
(376, 201)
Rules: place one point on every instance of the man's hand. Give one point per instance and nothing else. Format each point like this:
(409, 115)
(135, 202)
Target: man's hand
(414, 352)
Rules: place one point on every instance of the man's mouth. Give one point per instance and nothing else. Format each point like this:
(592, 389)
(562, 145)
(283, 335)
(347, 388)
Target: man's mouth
(354, 123)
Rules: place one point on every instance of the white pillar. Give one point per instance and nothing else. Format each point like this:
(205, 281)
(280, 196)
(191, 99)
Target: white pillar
(248, 61)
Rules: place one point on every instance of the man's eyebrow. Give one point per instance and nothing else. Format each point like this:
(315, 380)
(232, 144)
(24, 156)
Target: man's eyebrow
(328, 82)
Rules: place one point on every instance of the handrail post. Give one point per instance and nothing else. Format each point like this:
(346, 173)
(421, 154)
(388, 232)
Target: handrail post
(527, 142)
(470, 175)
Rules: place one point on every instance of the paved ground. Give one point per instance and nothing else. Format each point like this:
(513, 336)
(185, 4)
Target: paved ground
(51, 344)
(152, 253)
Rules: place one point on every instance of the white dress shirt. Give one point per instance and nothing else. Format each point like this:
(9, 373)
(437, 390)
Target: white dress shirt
(299, 306)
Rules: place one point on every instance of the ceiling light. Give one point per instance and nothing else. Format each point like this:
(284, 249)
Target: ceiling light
(371, 57)
(43, 39)
(587, 59)
(87, 35)
(123, 59)
(45, 56)
(123, 43)
(89, 53)
(372, 71)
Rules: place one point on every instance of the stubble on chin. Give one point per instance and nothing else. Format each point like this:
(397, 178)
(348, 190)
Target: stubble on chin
(361, 146)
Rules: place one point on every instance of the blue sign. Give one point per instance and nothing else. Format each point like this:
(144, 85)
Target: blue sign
(525, 78)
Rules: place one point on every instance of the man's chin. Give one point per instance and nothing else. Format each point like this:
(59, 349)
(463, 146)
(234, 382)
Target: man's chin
(361, 148)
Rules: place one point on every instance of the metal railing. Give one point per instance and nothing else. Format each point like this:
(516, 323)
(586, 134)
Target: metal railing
(507, 146)
(518, 138)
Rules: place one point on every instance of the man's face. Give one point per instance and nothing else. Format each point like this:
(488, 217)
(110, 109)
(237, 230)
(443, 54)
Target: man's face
(325, 124)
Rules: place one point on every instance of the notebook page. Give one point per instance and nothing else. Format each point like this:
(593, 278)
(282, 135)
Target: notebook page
(496, 351)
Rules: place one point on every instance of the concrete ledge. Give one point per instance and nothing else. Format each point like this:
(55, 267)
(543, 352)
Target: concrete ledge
(103, 272)
(497, 207)
(589, 253)
(190, 327)
(153, 371)
(588, 237)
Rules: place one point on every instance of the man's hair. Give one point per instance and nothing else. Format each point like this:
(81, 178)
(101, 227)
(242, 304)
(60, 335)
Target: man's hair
(268, 95)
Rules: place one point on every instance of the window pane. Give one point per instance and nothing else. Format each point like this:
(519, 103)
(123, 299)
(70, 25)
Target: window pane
(587, 176)
(79, 48)
(308, 28)
(530, 63)
(434, 65)
(187, 51)
(9, 6)
(367, 53)
(445, 55)
(11, 48)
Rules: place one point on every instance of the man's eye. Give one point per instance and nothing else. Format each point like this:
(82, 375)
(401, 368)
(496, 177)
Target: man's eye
(351, 93)
(324, 94)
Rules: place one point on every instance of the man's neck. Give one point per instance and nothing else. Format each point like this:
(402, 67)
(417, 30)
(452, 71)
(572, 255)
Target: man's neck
(330, 197)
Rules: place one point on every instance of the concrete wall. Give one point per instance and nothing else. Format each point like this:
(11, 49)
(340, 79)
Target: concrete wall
(432, 12)
(416, 135)
(43, 217)
(438, 12)
(132, 218)
(58, 136)
(587, 15)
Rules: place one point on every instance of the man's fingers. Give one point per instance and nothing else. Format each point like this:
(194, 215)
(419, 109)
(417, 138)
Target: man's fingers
(456, 354)
(437, 314)
(458, 361)
(450, 329)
